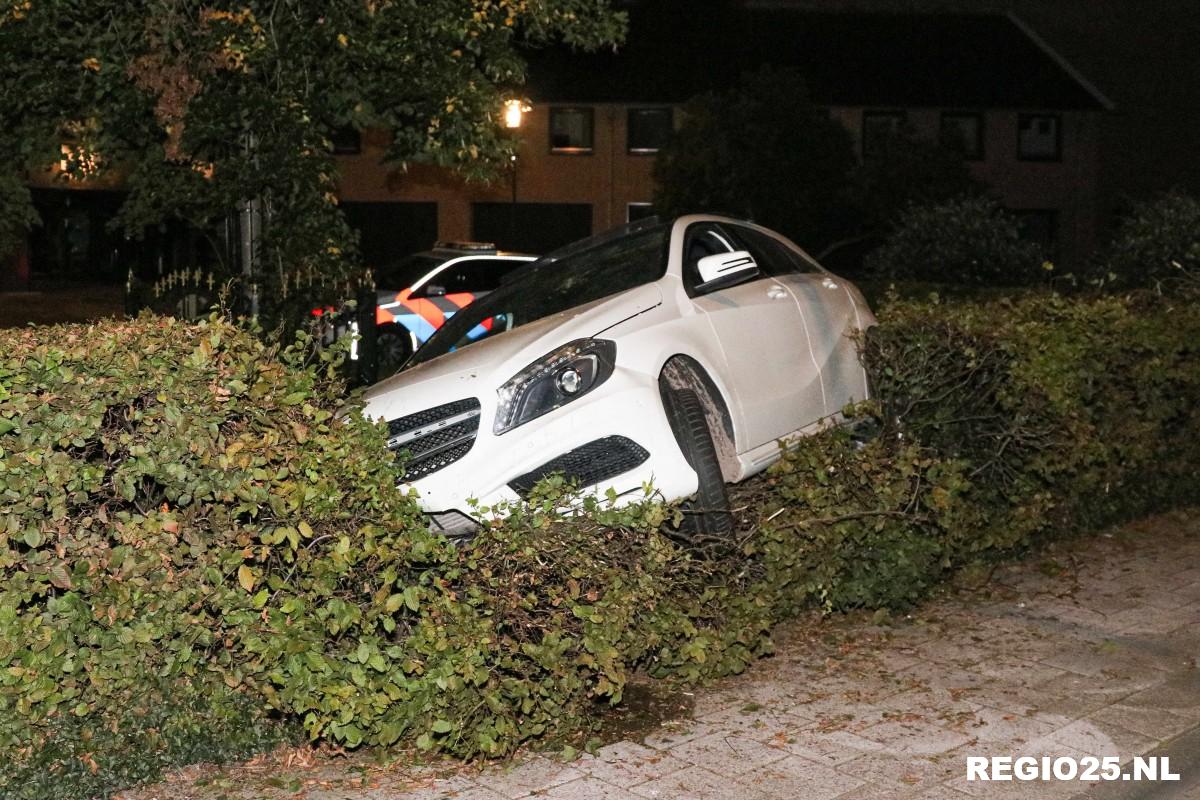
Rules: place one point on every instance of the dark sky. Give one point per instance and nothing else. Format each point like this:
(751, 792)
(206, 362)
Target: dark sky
(1143, 54)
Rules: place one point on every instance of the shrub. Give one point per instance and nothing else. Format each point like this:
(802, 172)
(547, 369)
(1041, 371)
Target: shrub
(968, 240)
(1067, 414)
(185, 519)
(1158, 241)
(197, 557)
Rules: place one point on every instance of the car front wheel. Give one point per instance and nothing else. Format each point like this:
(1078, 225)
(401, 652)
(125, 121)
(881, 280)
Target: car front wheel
(707, 521)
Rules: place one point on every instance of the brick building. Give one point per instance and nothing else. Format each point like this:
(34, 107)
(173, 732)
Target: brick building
(1027, 120)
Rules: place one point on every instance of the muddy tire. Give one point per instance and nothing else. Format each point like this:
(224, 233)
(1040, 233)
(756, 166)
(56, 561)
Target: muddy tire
(707, 521)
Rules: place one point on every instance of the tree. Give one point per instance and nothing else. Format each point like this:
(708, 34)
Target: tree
(965, 240)
(761, 150)
(203, 106)
(903, 170)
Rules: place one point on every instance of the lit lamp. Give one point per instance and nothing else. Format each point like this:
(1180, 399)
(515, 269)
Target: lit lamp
(514, 112)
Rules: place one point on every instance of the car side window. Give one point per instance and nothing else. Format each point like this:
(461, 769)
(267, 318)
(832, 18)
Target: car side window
(773, 256)
(470, 275)
(704, 239)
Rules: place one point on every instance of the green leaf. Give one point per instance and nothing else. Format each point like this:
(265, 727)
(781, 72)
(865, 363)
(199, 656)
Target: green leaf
(245, 577)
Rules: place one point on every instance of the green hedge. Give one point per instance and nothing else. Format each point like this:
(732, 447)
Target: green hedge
(198, 559)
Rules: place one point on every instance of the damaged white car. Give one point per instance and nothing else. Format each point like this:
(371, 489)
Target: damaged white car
(672, 353)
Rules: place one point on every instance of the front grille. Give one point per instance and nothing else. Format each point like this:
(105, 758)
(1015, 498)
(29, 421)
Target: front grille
(436, 437)
(588, 464)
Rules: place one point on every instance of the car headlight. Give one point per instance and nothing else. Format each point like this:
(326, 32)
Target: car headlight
(554, 380)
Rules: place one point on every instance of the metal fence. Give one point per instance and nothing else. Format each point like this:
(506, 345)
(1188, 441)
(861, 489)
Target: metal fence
(192, 294)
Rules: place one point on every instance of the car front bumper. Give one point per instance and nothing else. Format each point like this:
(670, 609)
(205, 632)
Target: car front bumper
(618, 432)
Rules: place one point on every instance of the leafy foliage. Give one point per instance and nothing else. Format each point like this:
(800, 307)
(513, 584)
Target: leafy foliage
(1157, 242)
(733, 146)
(198, 556)
(1067, 414)
(201, 106)
(186, 517)
(968, 239)
(903, 170)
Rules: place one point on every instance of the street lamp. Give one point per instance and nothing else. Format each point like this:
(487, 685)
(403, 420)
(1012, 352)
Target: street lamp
(514, 113)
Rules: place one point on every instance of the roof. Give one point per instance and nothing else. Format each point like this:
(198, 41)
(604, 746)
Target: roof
(848, 59)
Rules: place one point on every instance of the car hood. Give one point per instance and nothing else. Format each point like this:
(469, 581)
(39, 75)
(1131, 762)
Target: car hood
(479, 368)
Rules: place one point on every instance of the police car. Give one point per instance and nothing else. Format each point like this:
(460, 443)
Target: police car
(439, 282)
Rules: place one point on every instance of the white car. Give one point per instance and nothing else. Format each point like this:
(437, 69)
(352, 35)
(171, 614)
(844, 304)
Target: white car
(673, 353)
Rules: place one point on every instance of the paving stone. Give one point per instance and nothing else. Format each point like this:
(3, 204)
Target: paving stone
(627, 764)
(677, 732)
(1015, 671)
(798, 777)
(955, 652)
(1098, 691)
(1096, 738)
(941, 792)
(727, 754)
(697, 783)
(588, 788)
(899, 772)
(1153, 723)
(915, 737)
(712, 701)
(829, 748)
(527, 777)
(1180, 693)
(757, 723)
(990, 725)
(457, 789)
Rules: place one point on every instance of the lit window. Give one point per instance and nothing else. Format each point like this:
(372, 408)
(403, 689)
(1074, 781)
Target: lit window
(1039, 137)
(649, 129)
(571, 130)
(962, 133)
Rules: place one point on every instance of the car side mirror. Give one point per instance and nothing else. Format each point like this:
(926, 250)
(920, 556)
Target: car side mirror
(725, 269)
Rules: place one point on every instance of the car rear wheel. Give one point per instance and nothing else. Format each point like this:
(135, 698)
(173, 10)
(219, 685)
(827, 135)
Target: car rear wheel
(707, 521)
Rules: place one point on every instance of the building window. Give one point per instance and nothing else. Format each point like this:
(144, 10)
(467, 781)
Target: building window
(878, 127)
(346, 142)
(571, 130)
(638, 211)
(962, 133)
(1039, 137)
(648, 130)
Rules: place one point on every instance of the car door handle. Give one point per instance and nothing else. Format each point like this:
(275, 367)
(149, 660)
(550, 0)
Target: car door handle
(776, 293)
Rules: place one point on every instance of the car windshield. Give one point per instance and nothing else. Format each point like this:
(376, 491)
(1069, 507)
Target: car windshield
(575, 275)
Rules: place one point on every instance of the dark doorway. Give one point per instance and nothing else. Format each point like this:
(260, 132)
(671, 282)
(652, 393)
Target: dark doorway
(535, 228)
(390, 231)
